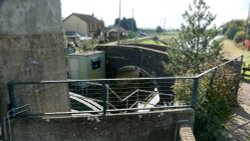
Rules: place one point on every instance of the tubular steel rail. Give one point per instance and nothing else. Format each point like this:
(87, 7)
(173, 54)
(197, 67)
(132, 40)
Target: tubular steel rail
(108, 96)
(246, 67)
(118, 95)
(7, 130)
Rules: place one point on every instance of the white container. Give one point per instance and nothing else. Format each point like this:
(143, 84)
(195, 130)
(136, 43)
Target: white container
(86, 65)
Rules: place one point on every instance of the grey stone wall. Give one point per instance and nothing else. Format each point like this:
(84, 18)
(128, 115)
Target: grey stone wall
(152, 126)
(19, 17)
(32, 49)
(34, 58)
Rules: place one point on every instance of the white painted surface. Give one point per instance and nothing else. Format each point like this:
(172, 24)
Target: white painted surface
(74, 69)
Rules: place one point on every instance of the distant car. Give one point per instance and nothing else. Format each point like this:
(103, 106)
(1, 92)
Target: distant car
(77, 36)
(83, 37)
(143, 34)
(72, 36)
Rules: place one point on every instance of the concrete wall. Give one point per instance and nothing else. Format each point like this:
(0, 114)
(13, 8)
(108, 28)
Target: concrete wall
(34, 58)
(152, 126)
(29, 16)
(32, 49)
(73, 23)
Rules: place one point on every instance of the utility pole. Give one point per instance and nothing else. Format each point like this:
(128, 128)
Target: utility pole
(246, 42)
(247, 22)
(119, 27)
(133, 13)
(164, 23)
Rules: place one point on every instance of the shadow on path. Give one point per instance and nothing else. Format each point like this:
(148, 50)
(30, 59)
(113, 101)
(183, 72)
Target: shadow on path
(238, 126)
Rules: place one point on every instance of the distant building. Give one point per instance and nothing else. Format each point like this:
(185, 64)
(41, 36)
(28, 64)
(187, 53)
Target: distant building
(114, 31)
(83, 24)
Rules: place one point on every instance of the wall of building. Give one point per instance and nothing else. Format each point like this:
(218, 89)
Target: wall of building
(32, 49)
(151, 126)
(75, 24)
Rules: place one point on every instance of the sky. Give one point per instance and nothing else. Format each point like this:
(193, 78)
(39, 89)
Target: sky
(153, 13)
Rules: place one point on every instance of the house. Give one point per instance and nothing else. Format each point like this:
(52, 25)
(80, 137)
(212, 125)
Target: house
(114, 31)
(84, 24)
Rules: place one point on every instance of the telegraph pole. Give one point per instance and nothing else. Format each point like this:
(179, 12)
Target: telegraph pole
(133, 13)
(247, 22)
(164, 24)
(119, 26)
(133, 20)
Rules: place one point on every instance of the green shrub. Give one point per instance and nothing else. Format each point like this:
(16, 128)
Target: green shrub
(183, 90)
(239, 37)
(156, 38)
(215, 103)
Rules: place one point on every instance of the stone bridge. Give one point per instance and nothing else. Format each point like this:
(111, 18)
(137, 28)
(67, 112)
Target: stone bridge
(147, 60)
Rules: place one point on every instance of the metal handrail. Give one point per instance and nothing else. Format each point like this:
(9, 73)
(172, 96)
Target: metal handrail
(8, 133)
(113, 110)
(107, 90)
(223, 64)
(123, 79)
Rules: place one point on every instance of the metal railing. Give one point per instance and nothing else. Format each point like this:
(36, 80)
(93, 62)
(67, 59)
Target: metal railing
(246, 68)
(7, 130)
(107, 96)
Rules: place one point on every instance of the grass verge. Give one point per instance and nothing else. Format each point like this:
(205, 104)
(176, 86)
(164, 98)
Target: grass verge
(230, 51)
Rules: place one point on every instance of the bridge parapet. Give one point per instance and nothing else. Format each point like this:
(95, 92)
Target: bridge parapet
(150, 60)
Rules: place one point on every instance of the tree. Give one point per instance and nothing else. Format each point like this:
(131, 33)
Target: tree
(117, 20)
(231, 28)
(159, 29)
(128, 24)
(124, 23)
(132, 24)
(195, 46)
(239, 36)
(248, 34)
(194, 51)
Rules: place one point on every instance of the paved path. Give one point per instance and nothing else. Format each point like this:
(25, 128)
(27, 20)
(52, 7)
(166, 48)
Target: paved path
(239, 124)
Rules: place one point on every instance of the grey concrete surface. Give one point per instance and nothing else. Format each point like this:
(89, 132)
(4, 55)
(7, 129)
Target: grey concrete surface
(238, 126)
(152, 126)
(19, 17)
(34, 58)
(32, 49)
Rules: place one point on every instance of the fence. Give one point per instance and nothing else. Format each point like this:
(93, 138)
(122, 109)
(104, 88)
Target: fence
(107, 96)
(246, 68)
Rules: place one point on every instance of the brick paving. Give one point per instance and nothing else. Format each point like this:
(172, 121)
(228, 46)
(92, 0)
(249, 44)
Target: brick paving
(239, 124)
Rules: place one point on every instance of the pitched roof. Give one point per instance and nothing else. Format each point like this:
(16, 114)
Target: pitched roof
(115, 28)
(86, 18)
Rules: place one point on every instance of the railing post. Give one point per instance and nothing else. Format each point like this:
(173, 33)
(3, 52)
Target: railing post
(238, 85)
(104, 97)
(11, 95)
(107, 93)
(195, 91)
(211, 81)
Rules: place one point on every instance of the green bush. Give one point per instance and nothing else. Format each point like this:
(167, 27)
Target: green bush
(215, 103)
(214, 109)
(239, 36)
(183, 90)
